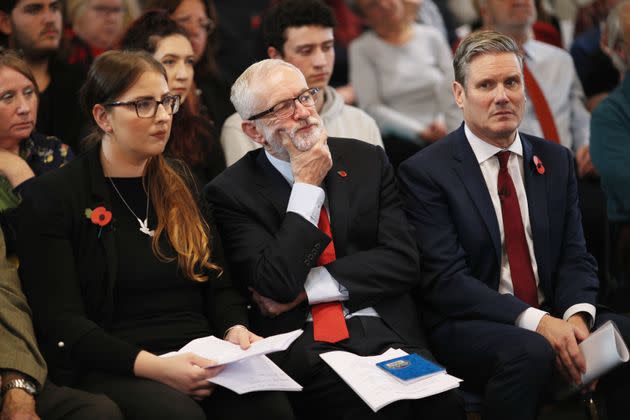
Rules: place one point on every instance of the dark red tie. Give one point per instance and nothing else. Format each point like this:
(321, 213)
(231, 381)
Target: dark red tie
(541, 107)
(329, 324)
(521, 269)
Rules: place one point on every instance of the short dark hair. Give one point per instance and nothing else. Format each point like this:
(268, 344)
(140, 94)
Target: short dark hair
(7, 6)
(294, 13)
(146, 31)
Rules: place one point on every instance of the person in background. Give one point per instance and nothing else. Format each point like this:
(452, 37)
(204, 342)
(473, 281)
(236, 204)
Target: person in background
(34, 27)
(137, 267)
(24, 153)
(192, 139)
(401, 74)
(95, 26)
(301, 33)
(610, 149)
(199, 20)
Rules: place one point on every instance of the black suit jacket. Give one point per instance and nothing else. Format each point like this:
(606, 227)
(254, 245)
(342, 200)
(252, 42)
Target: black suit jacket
(457, 230)
(273, 251)
(69, 269)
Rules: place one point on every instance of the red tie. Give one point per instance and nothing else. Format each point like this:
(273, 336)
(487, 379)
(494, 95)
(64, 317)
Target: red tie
(541, 107)
(523, 278)
(329, 324)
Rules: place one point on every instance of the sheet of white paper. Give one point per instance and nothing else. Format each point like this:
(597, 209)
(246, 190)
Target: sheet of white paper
(603, 350)
(224, 352)
(375, 386)
(256, 373)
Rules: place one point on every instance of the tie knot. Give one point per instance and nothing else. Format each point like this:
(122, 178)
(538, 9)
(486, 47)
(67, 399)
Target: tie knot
(503, 159)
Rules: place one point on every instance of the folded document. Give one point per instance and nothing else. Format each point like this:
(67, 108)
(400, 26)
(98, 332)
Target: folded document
(603, 350)
(377, 387)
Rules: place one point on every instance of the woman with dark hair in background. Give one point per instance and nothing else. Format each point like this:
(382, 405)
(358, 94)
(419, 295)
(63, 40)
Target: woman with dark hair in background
(192, 138)
(199, 20)
(120, 266)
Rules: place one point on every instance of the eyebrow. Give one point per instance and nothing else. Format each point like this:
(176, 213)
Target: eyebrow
(311, 44)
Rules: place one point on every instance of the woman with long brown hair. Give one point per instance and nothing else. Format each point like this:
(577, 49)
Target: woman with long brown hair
(120, 265)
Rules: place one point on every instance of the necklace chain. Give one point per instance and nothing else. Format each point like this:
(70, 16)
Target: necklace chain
(144, 224)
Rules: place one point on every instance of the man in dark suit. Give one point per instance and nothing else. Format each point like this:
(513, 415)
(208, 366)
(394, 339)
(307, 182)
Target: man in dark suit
(277, 209)
(509, 287)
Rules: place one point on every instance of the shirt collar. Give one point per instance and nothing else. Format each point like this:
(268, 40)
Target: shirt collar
(484, 151)
(281, 166)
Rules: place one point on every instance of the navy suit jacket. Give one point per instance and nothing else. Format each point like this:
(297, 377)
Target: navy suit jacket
(457, 232)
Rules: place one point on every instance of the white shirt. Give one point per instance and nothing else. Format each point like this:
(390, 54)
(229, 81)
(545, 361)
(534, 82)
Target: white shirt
(489, 165)
(554, 71)
(307, 201)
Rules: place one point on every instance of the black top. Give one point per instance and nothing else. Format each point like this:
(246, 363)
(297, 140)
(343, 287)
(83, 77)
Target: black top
(70, 268)
(155, 307)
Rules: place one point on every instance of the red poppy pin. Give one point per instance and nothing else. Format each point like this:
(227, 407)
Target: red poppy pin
(539, 165)
(99, 216)
(342, 174)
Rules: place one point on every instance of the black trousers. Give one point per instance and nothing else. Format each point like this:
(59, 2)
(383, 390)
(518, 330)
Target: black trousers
(513, 368)
(327, 396)
(60, 402)
(140, 398)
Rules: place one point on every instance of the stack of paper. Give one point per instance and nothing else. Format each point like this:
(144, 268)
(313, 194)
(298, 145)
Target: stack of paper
(378, 388)
(246, 370)
(603, 350)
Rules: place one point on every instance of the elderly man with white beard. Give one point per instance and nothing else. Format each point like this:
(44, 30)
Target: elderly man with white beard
(313, 228)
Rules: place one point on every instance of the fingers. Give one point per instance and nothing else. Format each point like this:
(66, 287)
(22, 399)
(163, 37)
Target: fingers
(253, 337)
(202, 362)
(572, 360)
(212, 371)
(243, 338)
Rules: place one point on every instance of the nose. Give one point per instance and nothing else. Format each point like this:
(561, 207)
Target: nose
(161, 114)
(24, 105)
(181, 72)
(319, 58)
(301, 111)
(500, 96)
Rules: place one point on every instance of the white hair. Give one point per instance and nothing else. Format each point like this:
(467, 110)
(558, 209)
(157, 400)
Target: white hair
(244, 94)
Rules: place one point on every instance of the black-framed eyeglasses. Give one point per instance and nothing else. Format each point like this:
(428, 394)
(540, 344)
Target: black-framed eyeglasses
(147, 108)
(286, 108)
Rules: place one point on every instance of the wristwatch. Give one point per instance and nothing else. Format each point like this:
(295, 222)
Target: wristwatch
(24, 384)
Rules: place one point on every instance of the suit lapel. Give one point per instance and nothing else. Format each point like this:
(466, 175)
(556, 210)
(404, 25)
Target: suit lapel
(273, 188)
(336, 185)
(100, 196)
(469, 173)
(536, 190)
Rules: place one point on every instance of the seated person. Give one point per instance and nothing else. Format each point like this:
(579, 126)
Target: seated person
(192, 137)
(136, 273)
(94, 26)
(301, 33)
(25, 393)
(401, 73)
(509, 287)
(24, 153)
(279, 207)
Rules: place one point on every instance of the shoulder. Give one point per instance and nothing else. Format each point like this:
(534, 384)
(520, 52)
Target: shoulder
(366, 40)
(614, 103)
(541, 51)
(428, 32)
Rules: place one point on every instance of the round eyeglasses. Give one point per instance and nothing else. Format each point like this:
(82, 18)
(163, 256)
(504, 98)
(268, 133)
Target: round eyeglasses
(286, 108)
(147, 107)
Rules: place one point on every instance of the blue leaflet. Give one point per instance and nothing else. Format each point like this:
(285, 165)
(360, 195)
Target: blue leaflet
(410, 368)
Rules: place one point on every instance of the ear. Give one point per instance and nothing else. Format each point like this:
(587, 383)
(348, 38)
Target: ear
(102, 118)
(252, 131)
(272, 52)
(459, 93)
(5, 24)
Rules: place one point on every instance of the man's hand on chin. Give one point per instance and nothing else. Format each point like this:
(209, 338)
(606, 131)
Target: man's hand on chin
(18, 405)
(564, 337)
(309, 166)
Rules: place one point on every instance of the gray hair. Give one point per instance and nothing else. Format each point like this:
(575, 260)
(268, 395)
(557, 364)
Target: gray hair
(478, 43)
(615, 35)
(244, 94)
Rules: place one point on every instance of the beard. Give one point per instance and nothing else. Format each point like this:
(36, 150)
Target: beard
(21, 42)
(301, 141)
